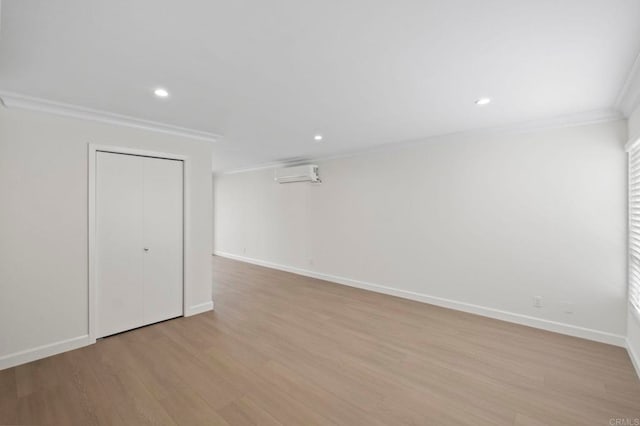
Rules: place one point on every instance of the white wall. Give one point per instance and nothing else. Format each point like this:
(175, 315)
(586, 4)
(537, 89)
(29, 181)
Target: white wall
(478, 222)
(633, 321)
(43, 226)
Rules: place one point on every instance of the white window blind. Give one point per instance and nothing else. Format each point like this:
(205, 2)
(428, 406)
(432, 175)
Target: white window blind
(634, 227)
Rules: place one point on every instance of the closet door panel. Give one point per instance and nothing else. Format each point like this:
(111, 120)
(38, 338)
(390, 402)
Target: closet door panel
(119, 216)
(163, 239)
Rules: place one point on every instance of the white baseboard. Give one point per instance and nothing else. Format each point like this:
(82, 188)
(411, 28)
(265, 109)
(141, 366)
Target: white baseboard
(633, 327)
(635, 358)
(198, 309)
(22, 357)
(44, 351)
(557, 327)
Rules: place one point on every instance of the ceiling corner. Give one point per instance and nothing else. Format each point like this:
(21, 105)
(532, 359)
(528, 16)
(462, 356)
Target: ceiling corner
(629, 96)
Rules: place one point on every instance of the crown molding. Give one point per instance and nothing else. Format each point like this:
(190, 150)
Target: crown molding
(582, 118)
(561, 121)
(14, 100)
(629, 97)
(271, 165)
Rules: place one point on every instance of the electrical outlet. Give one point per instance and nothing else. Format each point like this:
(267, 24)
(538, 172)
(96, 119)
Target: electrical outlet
(244, 250)
(310, 262)
(537, 301)
(567, 307)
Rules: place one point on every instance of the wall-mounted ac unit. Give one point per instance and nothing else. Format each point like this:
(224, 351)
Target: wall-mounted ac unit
(306, 173)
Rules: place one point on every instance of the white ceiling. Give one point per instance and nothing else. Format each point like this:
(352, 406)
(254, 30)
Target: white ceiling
(268, 75)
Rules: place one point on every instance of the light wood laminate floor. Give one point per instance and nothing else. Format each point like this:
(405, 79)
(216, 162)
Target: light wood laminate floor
(285, 349)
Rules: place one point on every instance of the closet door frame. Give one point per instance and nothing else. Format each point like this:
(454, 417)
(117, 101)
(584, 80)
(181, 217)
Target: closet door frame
(92, 191)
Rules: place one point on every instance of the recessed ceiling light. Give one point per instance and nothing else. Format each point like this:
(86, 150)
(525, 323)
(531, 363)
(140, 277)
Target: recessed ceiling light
(483, 101)
(161, 93)
(317, 138)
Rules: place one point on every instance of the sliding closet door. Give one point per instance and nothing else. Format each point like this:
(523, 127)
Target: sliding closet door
(162, 236)
(119, 256)
(139, 241)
